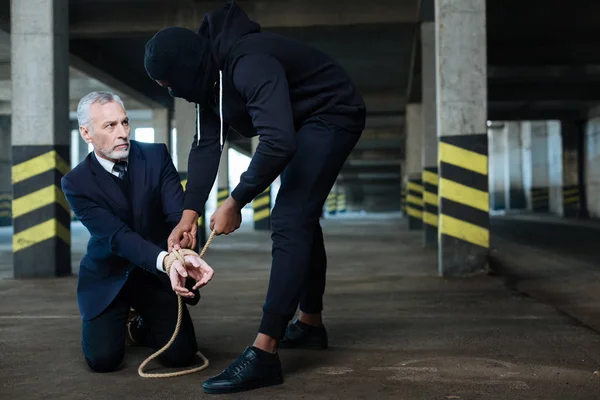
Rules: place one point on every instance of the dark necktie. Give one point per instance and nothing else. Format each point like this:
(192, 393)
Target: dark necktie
(120, 168)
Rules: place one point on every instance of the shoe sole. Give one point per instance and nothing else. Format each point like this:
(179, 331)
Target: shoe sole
(252, 386)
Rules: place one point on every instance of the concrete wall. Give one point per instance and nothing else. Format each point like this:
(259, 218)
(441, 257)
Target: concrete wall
(592, 166)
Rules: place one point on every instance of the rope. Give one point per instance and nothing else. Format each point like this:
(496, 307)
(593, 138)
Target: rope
(177, 255)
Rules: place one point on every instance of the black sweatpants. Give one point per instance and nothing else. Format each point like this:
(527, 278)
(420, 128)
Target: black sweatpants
(103, 338)
(299, 260)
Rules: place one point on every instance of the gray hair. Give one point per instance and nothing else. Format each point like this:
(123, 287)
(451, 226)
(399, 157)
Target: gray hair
(83, 108)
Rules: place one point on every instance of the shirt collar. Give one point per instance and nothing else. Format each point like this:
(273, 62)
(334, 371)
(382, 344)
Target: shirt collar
(107, 164)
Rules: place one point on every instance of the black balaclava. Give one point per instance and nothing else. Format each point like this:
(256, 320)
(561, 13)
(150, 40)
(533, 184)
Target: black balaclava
(183, 59)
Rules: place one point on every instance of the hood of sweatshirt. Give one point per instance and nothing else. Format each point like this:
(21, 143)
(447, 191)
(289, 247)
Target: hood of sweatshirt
(192, 63)
(224, 28)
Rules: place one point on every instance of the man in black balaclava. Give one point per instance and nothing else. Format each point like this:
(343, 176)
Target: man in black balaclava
(308, 116)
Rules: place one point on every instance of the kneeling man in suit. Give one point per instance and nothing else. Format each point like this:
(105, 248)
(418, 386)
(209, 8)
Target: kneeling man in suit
(129, 197)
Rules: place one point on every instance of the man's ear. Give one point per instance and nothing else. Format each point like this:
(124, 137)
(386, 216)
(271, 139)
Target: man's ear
(85, 134)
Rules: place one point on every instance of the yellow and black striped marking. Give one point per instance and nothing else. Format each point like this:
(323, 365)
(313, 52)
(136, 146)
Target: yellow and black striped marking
(540, 199)
(403, 199)
(222, 195)
(5, 208)
(40, 212)
(201, 234)
(414, 203)
(430, 205)
(464, 224)
(571, 200)
(331, 203)
(262, 210)
(341, 202)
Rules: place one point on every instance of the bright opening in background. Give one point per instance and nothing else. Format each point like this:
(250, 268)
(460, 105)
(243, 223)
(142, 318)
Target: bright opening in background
(144, 135)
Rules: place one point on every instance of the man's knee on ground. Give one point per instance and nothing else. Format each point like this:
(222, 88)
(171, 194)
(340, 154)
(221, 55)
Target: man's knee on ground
(104, 362)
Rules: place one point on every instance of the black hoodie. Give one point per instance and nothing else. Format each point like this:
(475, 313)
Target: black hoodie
(268, 85)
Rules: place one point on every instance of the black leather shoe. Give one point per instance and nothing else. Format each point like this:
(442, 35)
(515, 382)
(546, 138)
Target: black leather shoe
(253, 369)
(299, 335)
(137, 331)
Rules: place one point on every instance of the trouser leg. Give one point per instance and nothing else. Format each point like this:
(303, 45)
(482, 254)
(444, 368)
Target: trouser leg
(157, 305)
(322, 149)
(311, 301)
(103, 338)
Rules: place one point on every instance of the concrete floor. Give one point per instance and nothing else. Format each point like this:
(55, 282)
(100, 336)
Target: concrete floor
(553, 260)
(397, 331)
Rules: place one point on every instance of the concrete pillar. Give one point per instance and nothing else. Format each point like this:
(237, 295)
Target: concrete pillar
(526, 160)
(223, 177)
(185, 121)
(5, 185)
(161, 122)
(261, 205)
(461, 95)
(498, 161)
(555, 168)
(413, 178)
(40, 137)
(332, 201)
(540, 182)
(570, 160)
(430, 175)
(341, 206)
(592, 167)
(515, 196)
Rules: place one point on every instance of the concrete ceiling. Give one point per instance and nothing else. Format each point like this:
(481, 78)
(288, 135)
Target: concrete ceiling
(543, 55)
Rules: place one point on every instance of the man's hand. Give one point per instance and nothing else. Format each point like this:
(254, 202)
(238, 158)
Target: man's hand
(196, 268)
(184, 234)
(227, 218)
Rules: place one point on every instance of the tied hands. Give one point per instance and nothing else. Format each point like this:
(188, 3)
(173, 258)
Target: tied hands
(194, 267)
(225, 220)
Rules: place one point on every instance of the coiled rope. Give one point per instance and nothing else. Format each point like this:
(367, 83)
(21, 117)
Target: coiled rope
(170, 259)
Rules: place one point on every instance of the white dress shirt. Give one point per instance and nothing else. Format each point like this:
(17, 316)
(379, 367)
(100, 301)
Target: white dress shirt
(108, 166)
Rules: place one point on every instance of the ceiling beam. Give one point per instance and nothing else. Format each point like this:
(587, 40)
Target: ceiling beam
(98, 19)
(542, 53)
(544, 91)
(107, 69)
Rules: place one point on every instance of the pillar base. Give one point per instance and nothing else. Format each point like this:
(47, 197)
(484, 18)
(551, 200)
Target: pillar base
(571, 201)
(40, 212)
(331, 203)
(415, 224)
(262, 211)
(464, 238)
(414, 203)
(430, 204)
(517, 199)
(540, 199)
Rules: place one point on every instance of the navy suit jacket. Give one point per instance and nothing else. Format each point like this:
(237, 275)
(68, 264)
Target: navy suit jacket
(123, 237)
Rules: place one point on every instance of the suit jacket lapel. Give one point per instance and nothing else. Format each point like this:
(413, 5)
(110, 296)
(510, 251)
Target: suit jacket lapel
(107, 184)
(137, 171)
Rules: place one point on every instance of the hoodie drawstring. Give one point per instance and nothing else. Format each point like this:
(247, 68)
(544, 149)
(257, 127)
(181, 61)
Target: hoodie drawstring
(220, 112)
(221, 104)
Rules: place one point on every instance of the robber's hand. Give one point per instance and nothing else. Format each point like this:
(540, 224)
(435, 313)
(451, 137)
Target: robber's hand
(227, 218)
